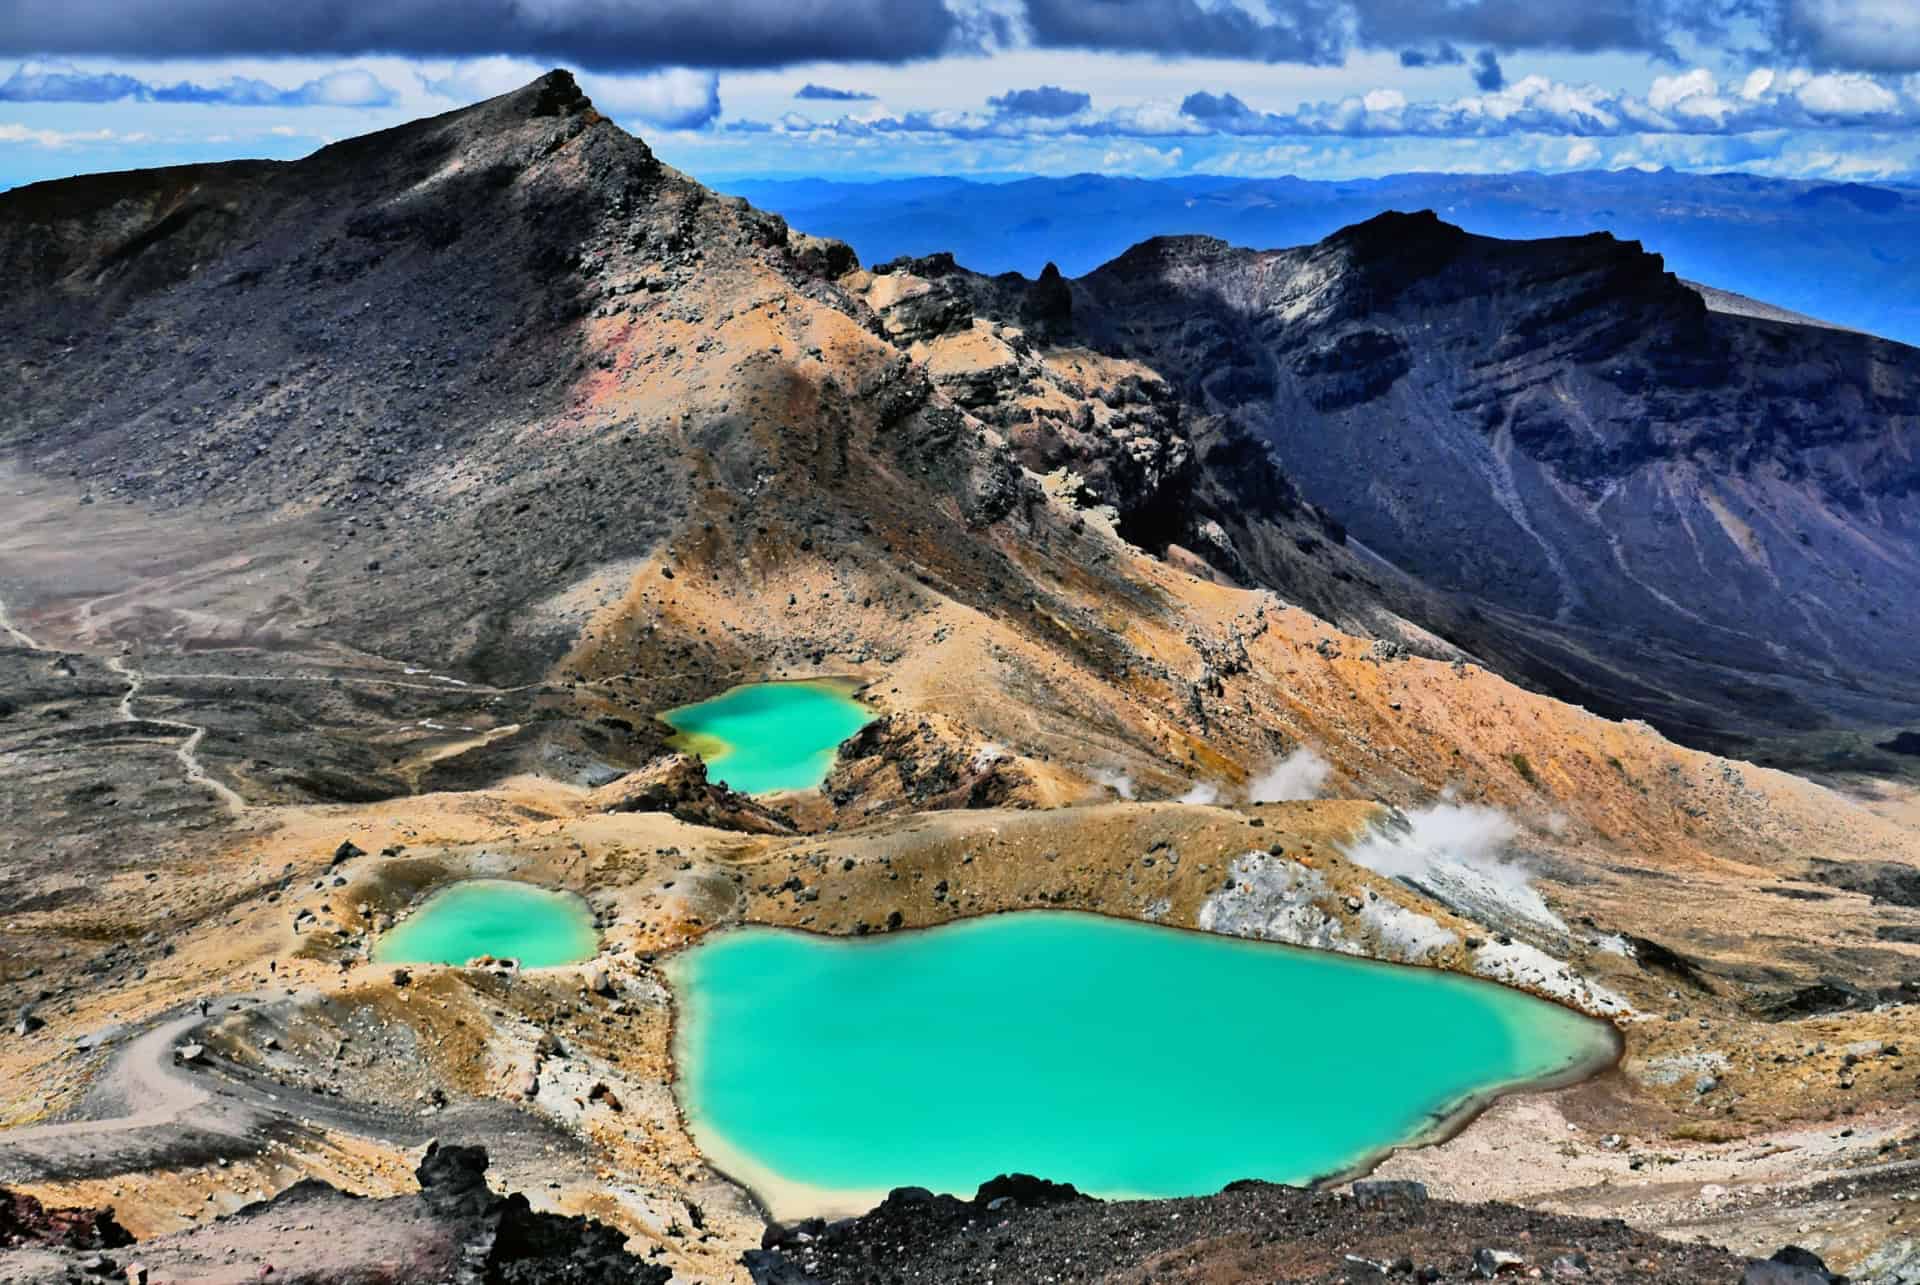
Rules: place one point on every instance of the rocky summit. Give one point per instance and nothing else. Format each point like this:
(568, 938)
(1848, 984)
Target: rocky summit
(1510, 608)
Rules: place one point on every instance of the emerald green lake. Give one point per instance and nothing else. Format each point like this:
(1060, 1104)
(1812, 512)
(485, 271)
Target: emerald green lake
(766, 737)
(498, 917)
(1128, 1059)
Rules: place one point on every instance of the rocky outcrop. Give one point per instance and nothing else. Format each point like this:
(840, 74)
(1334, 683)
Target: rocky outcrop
(926, 762)
(25, 1221)
(677, 784)
(1249, 1231)
(1114, 427)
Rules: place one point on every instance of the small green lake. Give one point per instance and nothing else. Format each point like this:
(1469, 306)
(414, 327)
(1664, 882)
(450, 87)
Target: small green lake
(1128, 1059)
(498, 917)
(767, 737)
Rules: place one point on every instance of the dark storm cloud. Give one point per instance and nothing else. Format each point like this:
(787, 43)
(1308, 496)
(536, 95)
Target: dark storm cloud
(61, 83)
(1214, 107)
(631, 35)
(1486, 71)
(1579, 25)
(1863, 35)
(1047, 100)
(1445, 55)
(1304, 31)
(1859, 35)
(593, 34)
(828, 94)
(1425, 32)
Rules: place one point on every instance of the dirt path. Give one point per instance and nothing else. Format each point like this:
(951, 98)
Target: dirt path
(185, 751)
(142, 1112)
(444, 687)
(14, 632)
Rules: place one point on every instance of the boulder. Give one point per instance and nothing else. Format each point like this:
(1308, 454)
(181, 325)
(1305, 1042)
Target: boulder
(1490, 1263)
(1027, 1191)
(453, 1180)
(1790, 1265)
(25, 1221)
(1389, 1193)
(770, 1267)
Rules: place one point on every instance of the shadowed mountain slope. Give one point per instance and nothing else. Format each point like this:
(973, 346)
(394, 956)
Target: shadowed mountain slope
(1705, 519)
(477, 356)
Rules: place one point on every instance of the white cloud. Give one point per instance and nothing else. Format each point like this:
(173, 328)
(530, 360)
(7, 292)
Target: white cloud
(62, 138)
(1687, 103)
(677, 98)
(62, 82)
(1849, 97)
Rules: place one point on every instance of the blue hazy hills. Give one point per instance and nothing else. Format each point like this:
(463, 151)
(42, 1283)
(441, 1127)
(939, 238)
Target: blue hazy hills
(1848, 253)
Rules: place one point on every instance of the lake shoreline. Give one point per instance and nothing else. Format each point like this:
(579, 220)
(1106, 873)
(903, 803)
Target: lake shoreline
(782, 1198)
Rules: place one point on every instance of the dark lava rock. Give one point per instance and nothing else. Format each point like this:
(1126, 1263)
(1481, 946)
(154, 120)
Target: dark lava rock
(1382, 1193)
(1251, 1231)
(1884, 881)
(1375, 372)
(1791, 1265)
(25, 1221)
(547, 1249)
(1027, 1190)
(1651, 954)
(453, 1180)
(767, 1268)
(1829, 995)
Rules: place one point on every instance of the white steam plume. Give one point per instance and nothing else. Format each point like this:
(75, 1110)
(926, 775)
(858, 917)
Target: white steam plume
(1457, 852)
(1297, 776)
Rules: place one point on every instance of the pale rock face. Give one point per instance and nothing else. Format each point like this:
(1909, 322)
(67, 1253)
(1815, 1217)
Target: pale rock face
(1530, 968)
(1404, 934)
(1276, 900)
(1273, 899)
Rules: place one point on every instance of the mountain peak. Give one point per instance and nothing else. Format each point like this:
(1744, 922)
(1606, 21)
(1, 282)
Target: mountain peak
(555, 94)
(1402, 233)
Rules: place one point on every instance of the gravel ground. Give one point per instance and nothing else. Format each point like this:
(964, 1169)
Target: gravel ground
(1248, 1232)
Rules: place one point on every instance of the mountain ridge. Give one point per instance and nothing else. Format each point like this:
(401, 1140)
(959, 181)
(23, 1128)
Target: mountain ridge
(1757, 236)
(1578, 399)
(359, 526)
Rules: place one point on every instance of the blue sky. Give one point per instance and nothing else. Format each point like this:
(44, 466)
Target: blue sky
(1824, 89)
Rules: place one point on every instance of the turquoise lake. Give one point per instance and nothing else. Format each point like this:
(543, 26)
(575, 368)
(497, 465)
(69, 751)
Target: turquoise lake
(1128, 1059)
(498, 917)
(767, 737)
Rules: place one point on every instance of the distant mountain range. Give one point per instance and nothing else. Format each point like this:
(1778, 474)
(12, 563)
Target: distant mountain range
(1843, 252)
